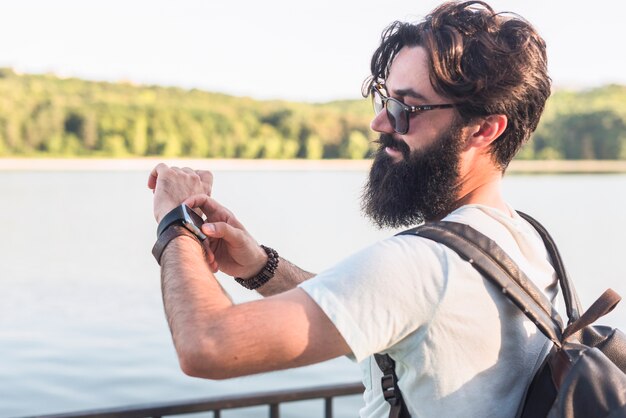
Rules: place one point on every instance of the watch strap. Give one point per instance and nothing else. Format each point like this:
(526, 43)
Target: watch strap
(182, 215)
(173, 231)
(176, 215)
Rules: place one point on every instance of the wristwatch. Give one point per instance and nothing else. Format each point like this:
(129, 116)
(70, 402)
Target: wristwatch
(185, 216)
(181, 220)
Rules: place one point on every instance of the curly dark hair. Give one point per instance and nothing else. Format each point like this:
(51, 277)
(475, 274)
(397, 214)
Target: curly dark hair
(487, 63)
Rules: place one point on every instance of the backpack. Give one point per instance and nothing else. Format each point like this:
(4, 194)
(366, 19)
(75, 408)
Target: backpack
(584, 374)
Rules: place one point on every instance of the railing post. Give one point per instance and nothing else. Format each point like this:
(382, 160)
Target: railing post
(217, 413)
(328, 407)
(274, 411)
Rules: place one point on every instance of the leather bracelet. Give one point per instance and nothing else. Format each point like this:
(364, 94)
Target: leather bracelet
(264, 275)
(167, 236)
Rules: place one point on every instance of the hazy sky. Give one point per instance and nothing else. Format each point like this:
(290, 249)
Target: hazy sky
(314, 50)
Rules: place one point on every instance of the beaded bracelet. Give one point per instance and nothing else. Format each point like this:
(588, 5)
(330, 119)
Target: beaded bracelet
(265, 274)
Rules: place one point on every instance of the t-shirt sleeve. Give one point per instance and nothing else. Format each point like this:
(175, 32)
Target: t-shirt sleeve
(383, 293)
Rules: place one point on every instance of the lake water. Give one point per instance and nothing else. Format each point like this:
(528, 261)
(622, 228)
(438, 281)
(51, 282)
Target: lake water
(81, 319)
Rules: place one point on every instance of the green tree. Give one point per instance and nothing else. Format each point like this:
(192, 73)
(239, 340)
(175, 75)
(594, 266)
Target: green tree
(114, 145)
(290, 148)
(314, 147)
(527, 152)
(357, 146)
(592, 135)
(271, 141)
(3, 148)
(139, 139)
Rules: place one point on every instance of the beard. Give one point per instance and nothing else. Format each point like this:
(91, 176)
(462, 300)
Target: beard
(421, 187)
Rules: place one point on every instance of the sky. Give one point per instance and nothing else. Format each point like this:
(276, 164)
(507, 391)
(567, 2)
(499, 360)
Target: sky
(316, 50)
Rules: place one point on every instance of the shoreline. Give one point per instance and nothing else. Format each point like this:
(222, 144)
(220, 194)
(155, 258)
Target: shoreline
(146, 164)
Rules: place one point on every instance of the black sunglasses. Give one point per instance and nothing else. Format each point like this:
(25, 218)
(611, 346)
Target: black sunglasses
(398, 112)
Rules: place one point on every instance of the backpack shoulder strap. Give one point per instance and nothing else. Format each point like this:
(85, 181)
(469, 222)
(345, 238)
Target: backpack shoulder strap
(496, 266)
(572, 303)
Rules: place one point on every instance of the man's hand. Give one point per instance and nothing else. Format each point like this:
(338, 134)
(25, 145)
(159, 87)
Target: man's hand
(172, 185)
(236, 251)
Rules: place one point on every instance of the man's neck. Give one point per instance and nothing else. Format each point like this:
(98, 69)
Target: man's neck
(483, 190)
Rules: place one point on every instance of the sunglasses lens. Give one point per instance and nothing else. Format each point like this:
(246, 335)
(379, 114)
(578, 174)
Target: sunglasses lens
(397, 116)
(377, 102)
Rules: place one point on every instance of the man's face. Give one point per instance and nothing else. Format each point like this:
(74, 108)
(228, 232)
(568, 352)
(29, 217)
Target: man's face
(414, 176)
(409, 82)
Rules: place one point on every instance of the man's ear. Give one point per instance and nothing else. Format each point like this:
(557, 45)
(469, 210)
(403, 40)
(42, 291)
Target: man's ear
(487, 130)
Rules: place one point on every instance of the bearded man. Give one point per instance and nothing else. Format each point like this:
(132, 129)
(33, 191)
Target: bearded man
(455, 96)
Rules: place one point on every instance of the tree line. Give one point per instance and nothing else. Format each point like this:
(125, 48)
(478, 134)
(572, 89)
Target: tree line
(44, 115)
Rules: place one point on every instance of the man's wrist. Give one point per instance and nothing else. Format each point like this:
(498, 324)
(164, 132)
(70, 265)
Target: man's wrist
(265, 274)
(167, 236)
(163, 210)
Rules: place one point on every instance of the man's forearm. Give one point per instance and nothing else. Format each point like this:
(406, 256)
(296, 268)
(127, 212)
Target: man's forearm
(216, 339)
(287, 277)
(191, 294)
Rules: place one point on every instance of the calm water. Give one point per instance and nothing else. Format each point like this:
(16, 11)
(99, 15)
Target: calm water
(81, 320)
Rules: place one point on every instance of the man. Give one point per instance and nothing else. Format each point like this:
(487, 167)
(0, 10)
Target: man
(455, 97)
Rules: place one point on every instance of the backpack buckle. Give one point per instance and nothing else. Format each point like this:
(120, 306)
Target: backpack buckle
(391, 391)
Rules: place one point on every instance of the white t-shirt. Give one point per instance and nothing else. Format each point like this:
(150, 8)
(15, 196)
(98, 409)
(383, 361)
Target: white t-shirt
(461, 348)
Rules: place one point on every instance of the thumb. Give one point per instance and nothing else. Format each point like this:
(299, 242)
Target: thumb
(223, 230)
(236, 240)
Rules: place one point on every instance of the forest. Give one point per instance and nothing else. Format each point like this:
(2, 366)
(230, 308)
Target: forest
(48, 116)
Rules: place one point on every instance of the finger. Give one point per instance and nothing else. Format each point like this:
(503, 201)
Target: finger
(189, 171)
(210, 257)
(213, 265)
(217, 213)
(233, 236)
(198, 201)
(213, 244)
(206, 177)
(212, 209)
(154, 174)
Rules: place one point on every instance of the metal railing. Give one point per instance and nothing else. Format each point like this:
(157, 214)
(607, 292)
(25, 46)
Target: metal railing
(220, 403)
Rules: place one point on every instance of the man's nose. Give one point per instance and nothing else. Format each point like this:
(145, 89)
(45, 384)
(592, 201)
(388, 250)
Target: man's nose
(381, 123)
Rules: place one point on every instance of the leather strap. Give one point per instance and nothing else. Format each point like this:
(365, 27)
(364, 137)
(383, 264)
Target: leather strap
(602, 306)
(167, 236)
(573, 306)
(497, 267)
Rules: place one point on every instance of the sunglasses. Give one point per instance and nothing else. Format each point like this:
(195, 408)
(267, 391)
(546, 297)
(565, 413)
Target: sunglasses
(398, 112)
